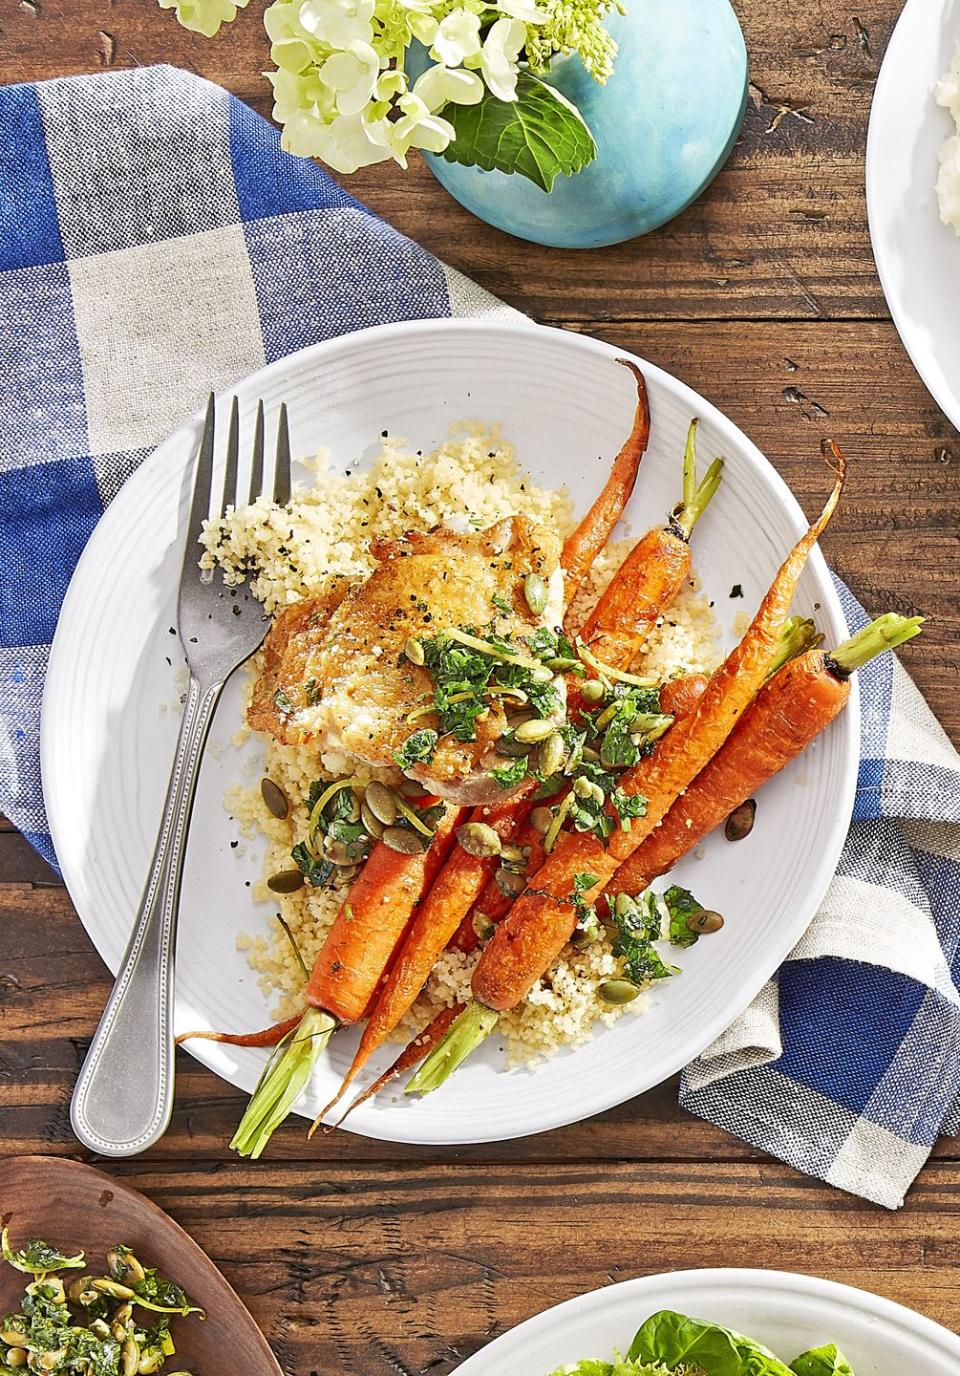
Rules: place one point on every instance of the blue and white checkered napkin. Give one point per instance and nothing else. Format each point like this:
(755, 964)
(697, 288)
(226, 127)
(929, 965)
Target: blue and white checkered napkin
(154, 243)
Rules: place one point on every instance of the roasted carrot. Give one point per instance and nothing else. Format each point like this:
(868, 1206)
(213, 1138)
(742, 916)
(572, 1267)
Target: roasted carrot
(371, 923)
(544, 917)
(351, 963)
(788, 712)
(412, 1054)
(678, 698)
(593, 532)
(267, 1036)
(654, 571)
(450, 896)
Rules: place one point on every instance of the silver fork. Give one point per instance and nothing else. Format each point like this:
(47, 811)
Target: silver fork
(124, 1094)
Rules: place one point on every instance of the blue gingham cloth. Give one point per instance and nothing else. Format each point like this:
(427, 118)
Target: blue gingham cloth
(155, 243)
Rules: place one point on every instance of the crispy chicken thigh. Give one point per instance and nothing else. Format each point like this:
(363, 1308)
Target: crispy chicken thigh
(335, 674)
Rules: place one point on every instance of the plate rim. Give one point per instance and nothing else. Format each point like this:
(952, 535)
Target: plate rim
(399, 1130)
(798, 1283)
(949, 402)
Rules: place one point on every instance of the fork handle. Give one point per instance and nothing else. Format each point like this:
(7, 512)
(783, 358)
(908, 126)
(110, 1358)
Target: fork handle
(124, 1095)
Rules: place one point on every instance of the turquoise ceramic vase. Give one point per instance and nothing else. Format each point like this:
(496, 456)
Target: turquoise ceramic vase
(664, 124)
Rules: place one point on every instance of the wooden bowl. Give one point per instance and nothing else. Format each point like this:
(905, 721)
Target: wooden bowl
(75, 1207)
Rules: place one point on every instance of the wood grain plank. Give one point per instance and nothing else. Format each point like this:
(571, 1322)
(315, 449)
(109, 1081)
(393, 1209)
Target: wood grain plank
(781, 233)
(52, 990)
(391, 1271)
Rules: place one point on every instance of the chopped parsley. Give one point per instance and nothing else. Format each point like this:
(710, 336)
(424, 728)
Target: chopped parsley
(637, 924)
(501, 604)
(650, 917)
(37, 1258)
(417, 748)
(681, 905)
(511, 774)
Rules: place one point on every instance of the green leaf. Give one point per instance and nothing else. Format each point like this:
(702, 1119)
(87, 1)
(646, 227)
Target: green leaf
(540, 134)
(418, 747)
(822, 1361)
(678, 1341)
(37, 1258)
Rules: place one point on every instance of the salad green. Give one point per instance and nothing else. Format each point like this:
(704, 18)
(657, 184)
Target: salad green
(671, 1344)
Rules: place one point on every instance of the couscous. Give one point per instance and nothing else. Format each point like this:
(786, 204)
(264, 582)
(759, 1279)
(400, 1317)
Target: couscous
(292, 553)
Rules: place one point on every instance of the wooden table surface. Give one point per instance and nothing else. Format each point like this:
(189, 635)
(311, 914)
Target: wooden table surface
(366, 1259)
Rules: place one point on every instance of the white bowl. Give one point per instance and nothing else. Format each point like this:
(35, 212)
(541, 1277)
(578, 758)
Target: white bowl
(110, 711)
(918, 257)
(785, 1312)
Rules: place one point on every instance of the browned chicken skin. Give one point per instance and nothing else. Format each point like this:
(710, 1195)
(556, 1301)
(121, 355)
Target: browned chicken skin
(335, 674)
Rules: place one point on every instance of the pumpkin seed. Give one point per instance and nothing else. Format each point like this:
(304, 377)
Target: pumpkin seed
(51, 1359)
(618, 990)
(552, 754)
(404, 840)
(16, 1357)
(476, 838)
(411, 788)
(381, 803)
(483, 928)
(582, 786)
(123, 1265)
(540, 819)
(337, 851)
(13, 1336)
(593, 690)
(510, 884)
(534, 731)
(535, 591)
(413, 650)
(740, 822)
(513, 855)
(345, 875)
(541, 674)
(623, 904)
(78, 1288)
(98, 1327)
(114, 1289)
(373, 825)
(705, 921)
(511, 747)
(561, 664)
(149, 1364)
(130, 1357)
(274, 797)
(286, 881)
(124, 1313)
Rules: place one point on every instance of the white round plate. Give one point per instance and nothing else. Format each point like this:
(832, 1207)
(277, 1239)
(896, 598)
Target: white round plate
(110, 711)
(918, 257)
(785, 1312)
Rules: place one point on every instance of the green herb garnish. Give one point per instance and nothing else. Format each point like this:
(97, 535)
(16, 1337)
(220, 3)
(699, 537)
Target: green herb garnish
(418, 748)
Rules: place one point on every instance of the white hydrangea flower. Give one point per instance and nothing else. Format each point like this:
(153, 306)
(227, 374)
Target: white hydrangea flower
(524, 10)
(457, 38)
(439, 86)
(419, 127)
(338, 22)
(354, 142)
(498, 57)
(353, 74)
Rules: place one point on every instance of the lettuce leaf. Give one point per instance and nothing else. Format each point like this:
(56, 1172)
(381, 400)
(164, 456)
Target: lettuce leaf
(822, 1361)
(678, 1341)
(620, 1366)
